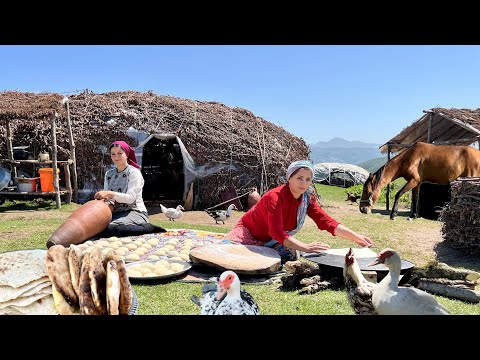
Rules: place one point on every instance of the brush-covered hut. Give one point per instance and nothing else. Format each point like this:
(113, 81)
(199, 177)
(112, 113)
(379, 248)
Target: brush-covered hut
(214, 146)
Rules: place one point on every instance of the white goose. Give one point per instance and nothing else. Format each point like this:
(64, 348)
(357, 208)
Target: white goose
(222, 215)
(359, 289)
(226, 298)
(172, 213)
(390, 299)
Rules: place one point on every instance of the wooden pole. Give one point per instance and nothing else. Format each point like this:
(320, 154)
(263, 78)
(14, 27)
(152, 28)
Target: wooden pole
(429, 131)
(388, 185)
(56, 185)
(72, 152)
(68, 184)
(10, 149)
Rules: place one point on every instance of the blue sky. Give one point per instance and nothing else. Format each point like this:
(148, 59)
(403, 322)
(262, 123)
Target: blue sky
(317, 92)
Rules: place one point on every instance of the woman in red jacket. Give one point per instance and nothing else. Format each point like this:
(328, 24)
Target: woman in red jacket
(280, 214)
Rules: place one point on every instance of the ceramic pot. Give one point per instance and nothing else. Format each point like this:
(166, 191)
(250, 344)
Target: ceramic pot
(85, 222)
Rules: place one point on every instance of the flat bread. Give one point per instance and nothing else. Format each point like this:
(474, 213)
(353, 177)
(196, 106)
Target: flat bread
(98, 281)
(61, 305)
(23, 301)
(126, 295)
(75, 257)
(9, 293)
(41, 306)
(59, 272)
(18, 268)
(87, 307)
(113, 288)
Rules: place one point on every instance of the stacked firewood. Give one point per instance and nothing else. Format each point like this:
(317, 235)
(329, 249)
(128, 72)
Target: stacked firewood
(308, 277)
(441, 279)
(461, 217)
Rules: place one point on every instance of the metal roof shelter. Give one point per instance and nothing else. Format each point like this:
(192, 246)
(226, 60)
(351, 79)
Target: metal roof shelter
(438, 126)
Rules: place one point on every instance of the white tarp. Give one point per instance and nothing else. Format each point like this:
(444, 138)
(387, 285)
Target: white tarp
(332, 173)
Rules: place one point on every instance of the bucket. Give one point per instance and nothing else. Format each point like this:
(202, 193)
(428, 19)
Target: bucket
(46, 179)
(26, 184)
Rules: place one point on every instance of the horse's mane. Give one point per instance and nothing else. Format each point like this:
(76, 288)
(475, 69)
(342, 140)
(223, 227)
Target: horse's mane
(378, 175)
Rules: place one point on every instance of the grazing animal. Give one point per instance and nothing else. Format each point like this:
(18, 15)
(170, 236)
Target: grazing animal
(352, 197)
(222, 215)
(390, 299)
(226, 298)
(359, 289)
(172, 213)
(439, 164)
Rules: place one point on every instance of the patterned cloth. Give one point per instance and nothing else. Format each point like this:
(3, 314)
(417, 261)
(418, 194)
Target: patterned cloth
(298, 165)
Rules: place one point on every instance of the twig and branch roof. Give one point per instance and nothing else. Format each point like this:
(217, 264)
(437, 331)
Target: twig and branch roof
(448, 126)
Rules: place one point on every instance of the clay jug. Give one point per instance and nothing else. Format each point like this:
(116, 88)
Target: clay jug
(87, 221)
(253, 198)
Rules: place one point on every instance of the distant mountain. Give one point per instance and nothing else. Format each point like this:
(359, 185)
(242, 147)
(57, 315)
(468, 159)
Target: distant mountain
(344, 151)
(342, 143)
(374, 164)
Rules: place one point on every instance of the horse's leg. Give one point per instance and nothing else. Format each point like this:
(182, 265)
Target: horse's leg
(407, 187)
(414, 209)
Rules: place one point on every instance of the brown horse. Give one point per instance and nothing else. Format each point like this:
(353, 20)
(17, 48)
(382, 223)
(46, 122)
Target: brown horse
(439, 164)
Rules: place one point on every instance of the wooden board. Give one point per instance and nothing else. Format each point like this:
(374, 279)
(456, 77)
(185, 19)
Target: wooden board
(243, 259)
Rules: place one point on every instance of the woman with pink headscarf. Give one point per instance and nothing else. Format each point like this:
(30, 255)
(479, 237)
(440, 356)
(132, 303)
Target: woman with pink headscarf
(123, 187)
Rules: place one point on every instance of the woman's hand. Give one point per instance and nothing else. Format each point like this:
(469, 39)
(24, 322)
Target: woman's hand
(316, 247)
(363, 240)
(102, 195)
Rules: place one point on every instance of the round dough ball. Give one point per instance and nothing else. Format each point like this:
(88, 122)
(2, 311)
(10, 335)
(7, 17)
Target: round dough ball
(144, 270)
(147, 246)
(119, 243)
(168, 272)
(172, 242)
(106, 251)
(160, 271)
(169, 247)
(153, 241)
(134, 273)
(149, 265)
(141, 239)
(89, 243)
(139, 251)
(159, 252)
(150, 274)
(184, 251)
(163, 263)
(153, 257)
(131, 246)
(102, 242)
(175, 258)
(176, 267)
(132, 257)
(184, 257)
(112, 238)
(120, 252)
(138, 243)
(172, 253)
(126, 240)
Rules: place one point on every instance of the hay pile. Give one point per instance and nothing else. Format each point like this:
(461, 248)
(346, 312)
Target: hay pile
(461, 217)
(256, 151)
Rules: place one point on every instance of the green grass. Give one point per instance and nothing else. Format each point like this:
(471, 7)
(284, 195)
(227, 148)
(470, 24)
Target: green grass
(31, 229)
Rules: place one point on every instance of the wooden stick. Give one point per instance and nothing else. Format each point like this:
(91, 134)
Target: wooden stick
(235, 198)
(449, 291)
